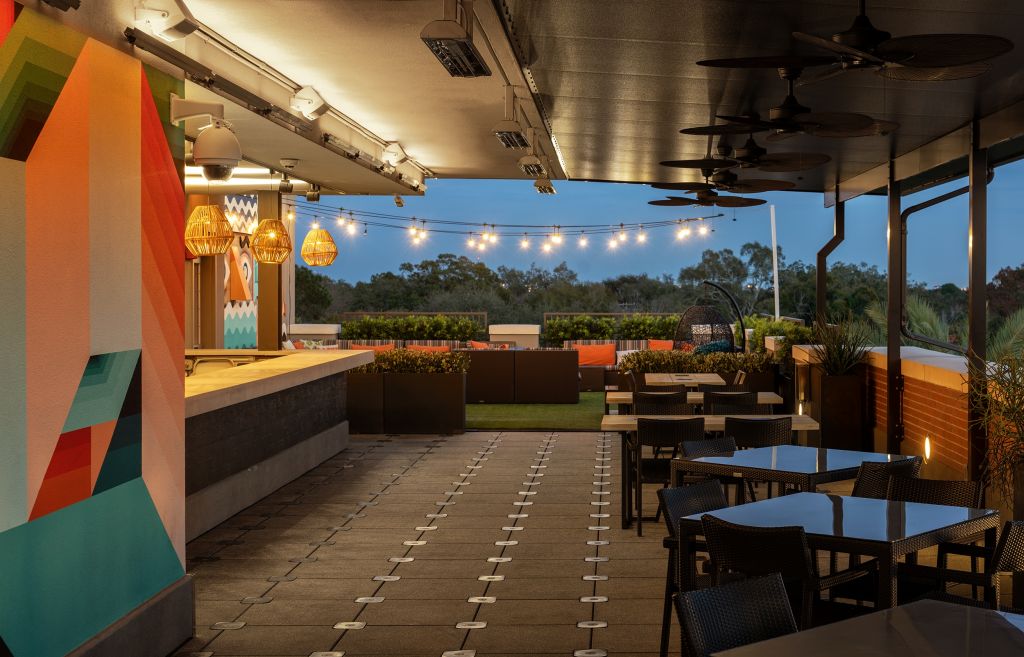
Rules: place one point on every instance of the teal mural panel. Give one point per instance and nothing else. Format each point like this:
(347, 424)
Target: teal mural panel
(80, 569)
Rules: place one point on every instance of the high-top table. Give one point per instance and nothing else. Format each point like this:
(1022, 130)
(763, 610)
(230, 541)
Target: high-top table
(864, 526)
(690, 379)
(625, 424)
(926, 628)
(626, 397)
(805, 467)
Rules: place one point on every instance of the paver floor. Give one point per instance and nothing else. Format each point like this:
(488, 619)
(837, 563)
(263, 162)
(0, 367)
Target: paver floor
(488, 543)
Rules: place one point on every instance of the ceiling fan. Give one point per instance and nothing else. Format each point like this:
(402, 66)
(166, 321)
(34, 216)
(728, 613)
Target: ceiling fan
(708, 198)
(918, 57)
(750, 155)
(728, 181)
(791, 117)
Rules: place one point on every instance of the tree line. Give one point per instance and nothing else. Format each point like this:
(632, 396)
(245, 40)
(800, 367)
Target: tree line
(455, 283)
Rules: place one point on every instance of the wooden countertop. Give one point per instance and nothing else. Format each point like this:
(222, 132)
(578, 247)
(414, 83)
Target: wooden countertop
(626, 397)
(691, 379)
(221, 388)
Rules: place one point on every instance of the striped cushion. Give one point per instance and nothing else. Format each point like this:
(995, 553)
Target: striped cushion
(346, 344)
(568, 344)
(451, 344)
(631, 345)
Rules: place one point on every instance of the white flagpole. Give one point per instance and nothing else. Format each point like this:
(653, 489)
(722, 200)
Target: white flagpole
(775, 262)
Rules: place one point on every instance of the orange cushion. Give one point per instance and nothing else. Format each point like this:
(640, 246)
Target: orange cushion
(299, 344)
(660, 345)
(373, 347)
(474, 344)
(686, 347)
(423, 347)
(596, 354)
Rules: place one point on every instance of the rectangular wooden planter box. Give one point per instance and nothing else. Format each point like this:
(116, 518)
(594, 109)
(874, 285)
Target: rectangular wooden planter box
(492, 376)
(424, 403)
(839, 406)
(549, 376)
(365, 403)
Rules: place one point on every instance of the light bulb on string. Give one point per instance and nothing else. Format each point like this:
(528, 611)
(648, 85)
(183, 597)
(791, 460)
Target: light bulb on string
(612, 243)
(641, 236)
(702, 230)
(546, 247)
(556, 237)
(351, 228)
(471, 241)
(481, 245)
(583, 241)
(622, 233)
(524, 243)
(683, 233)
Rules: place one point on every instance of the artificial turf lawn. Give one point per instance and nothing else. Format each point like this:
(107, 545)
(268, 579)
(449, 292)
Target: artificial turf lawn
(584, 416)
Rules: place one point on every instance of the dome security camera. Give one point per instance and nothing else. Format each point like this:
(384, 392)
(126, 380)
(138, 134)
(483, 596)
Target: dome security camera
(217, 151)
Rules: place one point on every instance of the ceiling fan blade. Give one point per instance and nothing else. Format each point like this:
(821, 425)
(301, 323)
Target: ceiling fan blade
(704, 163)
(738, 202)
(769, 61)
(820, 76)
(684, 186)
(759, 186)
(790, 162)
(674, 201)
(943, 50)
(723, 129)
(829, 44)
(834, 124)
(749, 121)
(945, 74)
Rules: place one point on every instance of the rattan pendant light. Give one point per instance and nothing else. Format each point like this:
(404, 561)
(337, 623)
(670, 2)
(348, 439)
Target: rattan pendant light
(208, 232)
(319, 249)
(270, 242)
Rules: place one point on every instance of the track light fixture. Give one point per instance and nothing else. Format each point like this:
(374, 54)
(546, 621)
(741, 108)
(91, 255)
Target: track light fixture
(451, 40)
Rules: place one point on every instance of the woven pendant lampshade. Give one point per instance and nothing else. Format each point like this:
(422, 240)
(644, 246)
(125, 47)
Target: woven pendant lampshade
(208, 232)
(319, 249)
(270, 242)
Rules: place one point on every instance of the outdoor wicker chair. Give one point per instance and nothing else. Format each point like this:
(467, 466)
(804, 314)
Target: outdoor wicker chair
(664, 434)
(676, 503)
(951, 492)
(756, 551)
(661, 403)
(701, 325)
(708, 447)
(873, 476)
(1007, 557)
(733, 615)
(756, 432)
(730, 403)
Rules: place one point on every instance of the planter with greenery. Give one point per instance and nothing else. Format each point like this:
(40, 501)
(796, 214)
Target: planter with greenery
(412, 327)
(647, 327)
(578, 327)
(758, 367)
(766, 326)
(404, 391)
(838, 385)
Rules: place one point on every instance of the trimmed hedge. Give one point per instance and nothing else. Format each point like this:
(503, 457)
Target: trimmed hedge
(403, 361)
(579, 327)
(411, 327)
(631, 327)
(766, 326)
(643, 362)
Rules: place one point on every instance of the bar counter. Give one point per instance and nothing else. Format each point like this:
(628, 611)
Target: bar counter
(253, 427)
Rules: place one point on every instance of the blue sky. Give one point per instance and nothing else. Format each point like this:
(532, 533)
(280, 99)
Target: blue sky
(937, 243)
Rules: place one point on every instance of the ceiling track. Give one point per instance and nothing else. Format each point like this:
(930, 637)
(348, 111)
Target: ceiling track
(505, 16)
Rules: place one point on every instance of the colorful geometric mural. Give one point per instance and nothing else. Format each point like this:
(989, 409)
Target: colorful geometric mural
(91, 270)
(240, 305)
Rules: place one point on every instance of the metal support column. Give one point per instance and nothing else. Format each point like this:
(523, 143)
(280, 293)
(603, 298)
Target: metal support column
(977, 279)
(821, 272)
(894, 315)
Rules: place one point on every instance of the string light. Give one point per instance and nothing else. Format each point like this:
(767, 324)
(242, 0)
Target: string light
(351, 228)
(583, 241)
(622, 233)
(613, 243)
(703, 230)
(683, 233)
(525, 242)
(641, 236)
(546, 247)
(556, 237)
(471, 241)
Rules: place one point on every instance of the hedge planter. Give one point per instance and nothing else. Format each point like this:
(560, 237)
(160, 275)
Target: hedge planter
(365, 402)
(425, 403)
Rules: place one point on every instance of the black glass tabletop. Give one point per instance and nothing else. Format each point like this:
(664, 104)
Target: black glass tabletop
(921, 629)
(794, 458)
(858, 518)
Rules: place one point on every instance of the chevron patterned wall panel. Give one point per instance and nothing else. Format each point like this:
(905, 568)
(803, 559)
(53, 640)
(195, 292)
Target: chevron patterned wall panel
(92, 451)
(240, 305)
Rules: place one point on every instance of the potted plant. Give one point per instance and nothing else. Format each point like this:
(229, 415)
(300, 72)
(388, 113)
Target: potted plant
(420, 392)
(837, 384)
(998, 405)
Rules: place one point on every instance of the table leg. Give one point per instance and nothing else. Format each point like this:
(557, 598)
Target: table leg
(992, 591)
(687, 566)
(740, 490)
(886, 582)
(626, 482)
